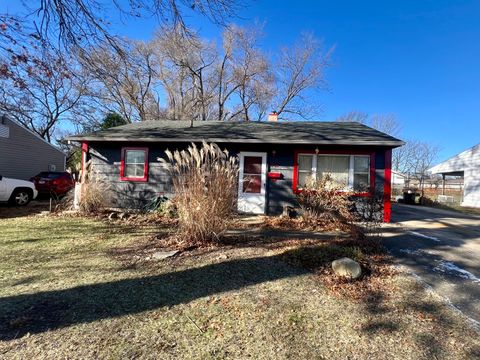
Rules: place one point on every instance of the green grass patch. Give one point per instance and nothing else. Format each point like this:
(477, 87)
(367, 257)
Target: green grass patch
(64, 295)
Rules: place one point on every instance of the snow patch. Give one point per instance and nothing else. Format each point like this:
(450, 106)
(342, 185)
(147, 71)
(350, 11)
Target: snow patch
(451, 268)
(424, 236)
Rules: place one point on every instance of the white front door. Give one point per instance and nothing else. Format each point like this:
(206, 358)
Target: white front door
(252, 180)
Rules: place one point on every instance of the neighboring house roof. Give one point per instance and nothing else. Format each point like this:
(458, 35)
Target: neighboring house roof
(294, 132)
(5, 118)
(465, 160)
(398, 174)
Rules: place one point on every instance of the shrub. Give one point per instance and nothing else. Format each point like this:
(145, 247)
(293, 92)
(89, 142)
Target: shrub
(204, 183)
(369, 211)
(94, 193)
(326, 201)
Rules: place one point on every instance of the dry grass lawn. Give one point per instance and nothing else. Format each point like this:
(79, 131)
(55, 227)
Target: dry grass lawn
(70, 289)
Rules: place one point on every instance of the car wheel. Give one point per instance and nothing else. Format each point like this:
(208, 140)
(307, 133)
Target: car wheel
(21, 197)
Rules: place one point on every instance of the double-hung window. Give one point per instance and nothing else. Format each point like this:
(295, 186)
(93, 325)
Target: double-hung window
(134, 166)
(306, 169)
(349, 171)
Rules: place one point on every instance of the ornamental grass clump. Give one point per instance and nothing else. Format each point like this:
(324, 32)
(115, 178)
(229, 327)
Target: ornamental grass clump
(94, 193)
(204, 181)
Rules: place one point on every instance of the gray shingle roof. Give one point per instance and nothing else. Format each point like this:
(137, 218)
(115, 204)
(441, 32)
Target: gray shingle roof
(294, 132)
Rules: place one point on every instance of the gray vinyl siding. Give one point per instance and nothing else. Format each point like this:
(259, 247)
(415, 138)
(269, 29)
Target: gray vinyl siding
(106, 158)
(23, 154)
(106, 161)
(280, 191)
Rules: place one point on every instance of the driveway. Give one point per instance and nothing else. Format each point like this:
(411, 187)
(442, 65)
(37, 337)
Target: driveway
(442, 248)
(35, 207)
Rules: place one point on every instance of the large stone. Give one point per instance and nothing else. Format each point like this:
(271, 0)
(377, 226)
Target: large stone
(160, 255)
(347, 267)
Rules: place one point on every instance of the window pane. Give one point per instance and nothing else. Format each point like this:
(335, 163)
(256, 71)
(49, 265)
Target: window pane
(304, 177)
(336, 166)
(362, 164)
(134, 156)
(252, 165)
(252, 184)
(134, 170)
(360, 182)
(305, 162)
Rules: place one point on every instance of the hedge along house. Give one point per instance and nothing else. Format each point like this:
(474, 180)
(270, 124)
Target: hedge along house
(275, 159)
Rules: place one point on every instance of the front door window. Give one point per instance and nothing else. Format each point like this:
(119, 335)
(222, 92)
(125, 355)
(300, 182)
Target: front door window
(252, 180)
(252, 174)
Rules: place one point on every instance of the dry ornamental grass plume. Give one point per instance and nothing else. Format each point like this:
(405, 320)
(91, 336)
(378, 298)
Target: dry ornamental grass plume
(95, 195)
(204, 183)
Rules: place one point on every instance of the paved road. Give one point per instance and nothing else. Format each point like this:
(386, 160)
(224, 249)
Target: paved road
(443, 248)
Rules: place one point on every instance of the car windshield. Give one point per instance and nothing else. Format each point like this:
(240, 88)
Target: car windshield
(49, 175)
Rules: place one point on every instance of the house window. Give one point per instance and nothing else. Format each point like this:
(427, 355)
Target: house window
(348, 171)
(305, 169)
(336, 166)
(134, 165)
(361, 173)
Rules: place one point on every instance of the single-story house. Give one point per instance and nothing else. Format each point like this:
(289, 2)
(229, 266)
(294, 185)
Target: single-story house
(467, 165)
(275, 158)
(24, 154)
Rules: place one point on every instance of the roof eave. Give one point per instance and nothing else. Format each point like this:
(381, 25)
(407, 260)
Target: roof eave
(392, 144)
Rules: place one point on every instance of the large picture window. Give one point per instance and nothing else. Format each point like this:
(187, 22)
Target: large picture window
(348, 171)
(134, 165)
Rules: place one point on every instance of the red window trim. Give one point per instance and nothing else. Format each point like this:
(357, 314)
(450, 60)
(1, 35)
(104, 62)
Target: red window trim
(295, 188)
(122, 165)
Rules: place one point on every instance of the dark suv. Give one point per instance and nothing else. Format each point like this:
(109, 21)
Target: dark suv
(53, 182)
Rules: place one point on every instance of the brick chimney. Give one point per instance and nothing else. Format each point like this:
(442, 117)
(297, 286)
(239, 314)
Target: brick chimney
(273, 116)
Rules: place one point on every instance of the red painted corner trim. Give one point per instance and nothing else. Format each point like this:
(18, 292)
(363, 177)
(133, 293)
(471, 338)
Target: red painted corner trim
(326, 152)
(387, 187)
(84, 155)
(122, 165)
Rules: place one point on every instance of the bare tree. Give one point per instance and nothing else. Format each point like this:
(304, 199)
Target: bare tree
(252, 74)
(422, 156)
(194, 60)
(387, 123)
(355, 116)
(124, 84)
(299, 69)
(42, 95)
(402, 158)
(81, 23)
(224, 73)
(206, 82)
(236, 81)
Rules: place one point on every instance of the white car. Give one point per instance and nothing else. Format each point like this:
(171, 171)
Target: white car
(17, 192)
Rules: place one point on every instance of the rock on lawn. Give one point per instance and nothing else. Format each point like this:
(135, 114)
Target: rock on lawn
(347, 267)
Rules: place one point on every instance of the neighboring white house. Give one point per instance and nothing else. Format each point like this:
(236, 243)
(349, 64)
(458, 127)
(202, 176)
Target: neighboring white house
(466, 164)
(398, 179)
